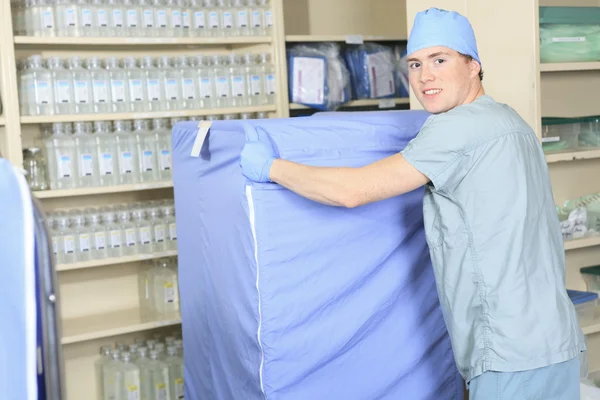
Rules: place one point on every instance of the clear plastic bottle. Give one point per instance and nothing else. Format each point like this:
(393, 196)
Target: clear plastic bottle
(144, 230)
(102, 18)
(67, 18)
(262, 115)
(148, 159)
(189, 78)
(104, 359)
(238, 82)
(61, 154)
(222, 87)
(130, 234)
(175, 364)
(25, 86)
(131, 379)
(87, 156)
(267, 16)
(230, 117)
(133, 20)
(155, 85)
(63, 86)
(113, 376)
(66, 253)
(34, 165)
(156, 376)
(54, 234)
(141, 361)
(159, 348)
(206, 82)
(172, 81)
(135, 84)
(114, 233)
(268, 72)
(213, 18)
(169, 218)
(241, 18)
(159, 231)
(145, 291)
(118, 86)
(186, 17)
(254, 79)
(256, 18)
(179, 346)
(246, 116)
(174, 9)
(106, 145)
(198, 15)
(161, 15)
(166, 294)
(83, 243)
(86, 18)
(128, 153)
(162, 135)
(45, 23)
(170, 340)
(18, 8)
(116, 21)
(82, 86)
(227, 24)
(31, 17)
(148, 18)
(97, 234)
(100, 85)
(150, 343)
(41, 82)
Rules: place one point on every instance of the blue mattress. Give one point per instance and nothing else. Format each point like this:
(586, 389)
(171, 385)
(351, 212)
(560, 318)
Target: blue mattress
(284, 298)
(19, 334)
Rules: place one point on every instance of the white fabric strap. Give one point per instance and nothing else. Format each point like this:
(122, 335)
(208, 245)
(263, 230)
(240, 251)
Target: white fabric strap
(203, 128)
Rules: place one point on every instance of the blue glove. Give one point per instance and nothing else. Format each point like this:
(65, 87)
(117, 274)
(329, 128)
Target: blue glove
(257, 157)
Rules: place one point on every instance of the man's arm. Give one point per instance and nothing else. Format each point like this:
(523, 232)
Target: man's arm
(349, 187)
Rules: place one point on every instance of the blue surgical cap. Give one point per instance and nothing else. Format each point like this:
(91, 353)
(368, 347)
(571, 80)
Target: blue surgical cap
(435, 27)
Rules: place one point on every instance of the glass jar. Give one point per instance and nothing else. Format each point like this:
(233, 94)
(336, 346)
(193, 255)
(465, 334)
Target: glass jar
(35, 165)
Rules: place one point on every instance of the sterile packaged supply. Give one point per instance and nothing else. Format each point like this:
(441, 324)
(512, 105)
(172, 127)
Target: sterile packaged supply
(585, 304)
(142, 18)
(401, 75)
(589, 134)
(318, 76)
(559, 134)
(569, 34)
(373, 71)
(580, 218)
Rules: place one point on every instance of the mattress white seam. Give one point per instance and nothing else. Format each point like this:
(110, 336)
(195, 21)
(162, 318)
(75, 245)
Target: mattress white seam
(252, 217)
(30, 292)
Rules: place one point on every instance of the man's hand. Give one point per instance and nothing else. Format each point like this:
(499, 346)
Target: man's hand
(257, 158)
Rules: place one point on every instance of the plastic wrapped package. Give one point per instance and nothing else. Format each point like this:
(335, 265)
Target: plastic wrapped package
(372, 69)
(589, 134)
(569, 34)
(318, 76)
(580, 218)
(401, 72)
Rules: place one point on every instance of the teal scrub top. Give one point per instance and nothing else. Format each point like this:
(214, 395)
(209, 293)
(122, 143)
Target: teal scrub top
(494, 239)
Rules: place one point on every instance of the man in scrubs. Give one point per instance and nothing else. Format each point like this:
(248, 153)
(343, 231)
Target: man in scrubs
(489, 213)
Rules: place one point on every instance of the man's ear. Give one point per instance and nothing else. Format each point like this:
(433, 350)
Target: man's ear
(474, 67)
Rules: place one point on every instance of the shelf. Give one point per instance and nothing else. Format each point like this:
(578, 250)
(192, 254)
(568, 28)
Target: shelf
(381, 103)
(576, 66)
(47, 119)
(125, 41)
(573, 156)
(582, 243)
(100, 326)
(591, 329)
(352, 39)
(113, 261)
(52, 194)
(2, 121)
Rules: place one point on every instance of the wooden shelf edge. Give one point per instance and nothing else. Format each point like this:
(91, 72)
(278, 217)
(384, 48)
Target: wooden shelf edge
(128, 41)
(114, 261)
(565, 67)
(84, 337)
(591, 329)
(46, 119)
(573, 156)
(582, 243)
(358, 103)
(352, 38)
(52, 194)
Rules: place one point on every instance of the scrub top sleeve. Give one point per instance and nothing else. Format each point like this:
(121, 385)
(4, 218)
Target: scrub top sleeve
(439, 152)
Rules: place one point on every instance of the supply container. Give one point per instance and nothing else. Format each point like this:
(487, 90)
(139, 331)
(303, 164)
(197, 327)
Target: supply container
(569, 34)
(585, 304)
(589, 135)
(559, 134)
(591, 276)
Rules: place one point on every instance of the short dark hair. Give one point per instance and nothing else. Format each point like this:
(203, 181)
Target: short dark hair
(469, 59)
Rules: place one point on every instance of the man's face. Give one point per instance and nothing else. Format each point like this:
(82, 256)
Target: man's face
(441, 78)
